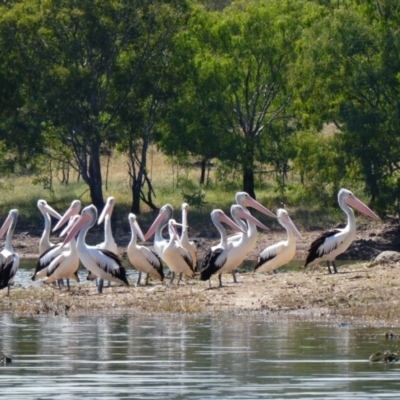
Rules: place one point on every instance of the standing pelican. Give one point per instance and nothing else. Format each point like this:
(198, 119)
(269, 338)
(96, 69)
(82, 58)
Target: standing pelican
(238, 248)
(109, 242)
(217, 256)
(47, 212)
(141, 257)
(334, 242)
(65, 264)
(102, 263)
(9, 261)
(164, 215)
(175, 256)
(50, 254)
(189, 245)
(279, 254)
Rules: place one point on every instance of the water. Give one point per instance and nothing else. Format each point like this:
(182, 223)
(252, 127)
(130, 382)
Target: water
(191, 357)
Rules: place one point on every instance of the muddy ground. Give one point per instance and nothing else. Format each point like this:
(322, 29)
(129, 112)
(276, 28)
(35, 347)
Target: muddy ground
(366, 293)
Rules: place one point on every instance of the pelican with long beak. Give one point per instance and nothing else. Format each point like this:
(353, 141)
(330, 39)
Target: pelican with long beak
(141, 257)
(279, 254)
(336, 241)
(9, 260)
(238, 249)
(217, 256)
(65, 264)
(52, 253)
(102, 263)
(47, 212)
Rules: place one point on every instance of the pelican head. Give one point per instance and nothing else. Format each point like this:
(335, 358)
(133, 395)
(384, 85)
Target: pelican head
(286, 221)
(135, 226)
(162, 219)
(46, 209)
(245, 200)
(73, 209)
(347, 197)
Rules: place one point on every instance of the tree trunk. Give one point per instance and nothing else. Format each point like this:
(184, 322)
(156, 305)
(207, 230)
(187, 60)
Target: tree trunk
(203, 171)
(95, 180)
(248, 169)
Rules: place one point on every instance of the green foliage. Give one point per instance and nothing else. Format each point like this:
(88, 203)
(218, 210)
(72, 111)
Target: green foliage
(195, 199)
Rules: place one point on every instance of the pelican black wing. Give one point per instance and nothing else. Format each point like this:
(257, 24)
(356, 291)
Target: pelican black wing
(314, 250)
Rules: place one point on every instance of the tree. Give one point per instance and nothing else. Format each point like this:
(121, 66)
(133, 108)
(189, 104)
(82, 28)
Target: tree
(348, 73)
(237, 87)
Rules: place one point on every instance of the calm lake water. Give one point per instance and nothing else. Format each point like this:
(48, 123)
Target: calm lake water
(187, 357)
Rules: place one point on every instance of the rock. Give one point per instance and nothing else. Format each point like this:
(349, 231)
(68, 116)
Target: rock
(388, 256)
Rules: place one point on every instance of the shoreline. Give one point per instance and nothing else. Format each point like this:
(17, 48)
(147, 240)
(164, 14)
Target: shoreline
(360, 294)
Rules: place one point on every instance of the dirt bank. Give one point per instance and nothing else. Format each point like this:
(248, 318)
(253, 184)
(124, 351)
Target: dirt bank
(362, 293)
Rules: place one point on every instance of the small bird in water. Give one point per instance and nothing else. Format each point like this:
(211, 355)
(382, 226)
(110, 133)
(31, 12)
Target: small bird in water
(5, 359)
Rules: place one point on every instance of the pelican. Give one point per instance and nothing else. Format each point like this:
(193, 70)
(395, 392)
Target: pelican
(65, 264)
(189, 245)
(9, 261)
(237, 250)
(47, 212)
(52, 253)
(217, 256)
(244, 200)
(157, 226)
(334, 242)
(175, 256)
(141, 257)
(102, 263)
(109, 242)
(279, 254)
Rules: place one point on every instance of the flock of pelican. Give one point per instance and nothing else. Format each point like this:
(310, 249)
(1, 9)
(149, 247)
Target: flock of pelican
(61, 261)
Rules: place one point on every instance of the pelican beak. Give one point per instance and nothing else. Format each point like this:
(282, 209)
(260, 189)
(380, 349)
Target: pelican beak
(82, 220)
(242, 214)
(136, 227)
(360, 206)
(71, 222)
(72, 210)
(51, 211)
(153, 227)
(224, 218)
(5, 225)
(291, 224)
(250, 202)
(107, 210)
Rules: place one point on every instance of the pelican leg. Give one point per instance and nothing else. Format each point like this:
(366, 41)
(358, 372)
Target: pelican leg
(329, 267)
(209, 283)
(109, 284)
(60, 282)
(69, 288)
(172, 278)
(234, 276)
(139, 278)
(100, 286)
(8, 291)
(147, 279)
(220, 280)
(180, 278)
(334, 267)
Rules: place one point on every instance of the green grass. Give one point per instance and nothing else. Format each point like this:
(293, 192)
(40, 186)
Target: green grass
(18, 191)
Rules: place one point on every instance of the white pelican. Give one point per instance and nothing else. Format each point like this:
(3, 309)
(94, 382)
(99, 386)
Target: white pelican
(52, 253)
(216, 256)
(141, 257)
(9, 261)
(65, 264)
(280, 253)
(102, 263)
(109, 242)
(47, 212)
(189, 245)
(334, 242)
(176, 257)
(164, 215)
(245, 200)
(237, 249)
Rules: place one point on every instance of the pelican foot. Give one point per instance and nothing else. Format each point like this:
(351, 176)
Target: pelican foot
(100, 286)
